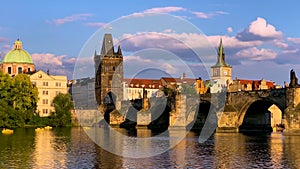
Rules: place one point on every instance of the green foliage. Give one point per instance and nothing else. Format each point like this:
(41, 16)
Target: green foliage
(36, 120)
(24, 94)
(63, 106)
(188, 90)
(18, 99)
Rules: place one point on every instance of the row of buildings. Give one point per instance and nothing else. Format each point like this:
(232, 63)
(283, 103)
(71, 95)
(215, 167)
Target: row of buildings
(90, 92)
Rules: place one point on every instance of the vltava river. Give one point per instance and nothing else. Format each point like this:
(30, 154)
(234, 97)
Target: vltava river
(72, 148)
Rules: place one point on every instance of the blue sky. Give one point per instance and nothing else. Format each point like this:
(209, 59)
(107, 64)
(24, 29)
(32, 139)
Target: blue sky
(261, 38)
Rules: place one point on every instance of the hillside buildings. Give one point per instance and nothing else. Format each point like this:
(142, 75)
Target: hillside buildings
(18, 61)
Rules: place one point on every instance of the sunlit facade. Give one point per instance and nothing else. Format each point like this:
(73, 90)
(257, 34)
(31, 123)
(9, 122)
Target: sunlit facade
(48, 86)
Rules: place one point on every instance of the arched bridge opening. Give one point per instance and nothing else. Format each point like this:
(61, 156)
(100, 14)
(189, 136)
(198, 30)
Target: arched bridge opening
(261, 116)
(205, 112)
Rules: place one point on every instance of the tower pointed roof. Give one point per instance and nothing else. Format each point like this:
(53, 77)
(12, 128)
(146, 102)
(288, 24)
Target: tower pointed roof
(119, 50)
(107, 46)
(221, 56)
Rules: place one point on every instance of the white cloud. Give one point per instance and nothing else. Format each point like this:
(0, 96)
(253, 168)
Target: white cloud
(257, 54)
(290, 51)
(229, 29)
(72, 18)
(169, 68)
(58, 65)
(232, 42)
(136, 59)
(167, 9)
(168, 40)
(294, 40)
(43, 59)
(280, 44)
(208, 15)
(261, 28)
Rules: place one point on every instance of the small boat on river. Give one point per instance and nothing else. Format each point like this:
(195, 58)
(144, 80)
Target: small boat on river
(7, 131)
(48, 128)
(39, 129)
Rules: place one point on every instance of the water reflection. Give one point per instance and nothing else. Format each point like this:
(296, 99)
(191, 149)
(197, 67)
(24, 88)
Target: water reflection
(49, 151)
(228, 150)
(291, 153)
(72, 148)
(16, 150)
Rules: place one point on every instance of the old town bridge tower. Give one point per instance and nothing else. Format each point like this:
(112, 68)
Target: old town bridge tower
(109, 74)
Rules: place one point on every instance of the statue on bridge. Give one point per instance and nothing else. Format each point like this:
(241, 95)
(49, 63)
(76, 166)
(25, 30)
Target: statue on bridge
(293, 79)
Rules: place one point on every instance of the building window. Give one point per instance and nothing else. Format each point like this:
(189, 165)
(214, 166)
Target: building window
(45, 83)
(45, 111)
(45, 101)
(29, 69)
(45, 92)
(34, 83)
(19, 70)
(9, 70)
(216, 72)
(58, 84)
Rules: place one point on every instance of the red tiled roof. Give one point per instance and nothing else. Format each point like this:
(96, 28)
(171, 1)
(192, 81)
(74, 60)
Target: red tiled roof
(149, 83)
(170, 79)
(270, 84)
(157, 82)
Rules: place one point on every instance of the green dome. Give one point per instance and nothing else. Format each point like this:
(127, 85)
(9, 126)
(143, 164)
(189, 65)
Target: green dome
(17, 55)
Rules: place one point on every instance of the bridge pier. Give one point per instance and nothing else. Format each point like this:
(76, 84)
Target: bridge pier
(292, 112)
(227, 120)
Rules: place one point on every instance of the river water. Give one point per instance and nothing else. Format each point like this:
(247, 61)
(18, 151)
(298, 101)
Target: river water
(72, 148)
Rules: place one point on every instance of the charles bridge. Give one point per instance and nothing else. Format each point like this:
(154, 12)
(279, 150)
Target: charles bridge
(224, 111)
(230, 112)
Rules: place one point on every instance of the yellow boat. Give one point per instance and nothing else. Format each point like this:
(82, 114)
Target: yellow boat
(39, 129)
(86, 128)
(7, 131)
(48, 127)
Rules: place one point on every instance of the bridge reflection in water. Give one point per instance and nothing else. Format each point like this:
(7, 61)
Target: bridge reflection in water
(71, 148)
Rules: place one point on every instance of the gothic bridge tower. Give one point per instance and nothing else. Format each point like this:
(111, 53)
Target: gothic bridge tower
(109, 74)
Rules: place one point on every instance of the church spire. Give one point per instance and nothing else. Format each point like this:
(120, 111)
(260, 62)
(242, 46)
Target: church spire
(221, 56)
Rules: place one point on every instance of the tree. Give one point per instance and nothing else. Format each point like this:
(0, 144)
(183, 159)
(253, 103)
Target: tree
(5, 87)
(63, 106)
(18, 99)
(24, 94)
(188, 90)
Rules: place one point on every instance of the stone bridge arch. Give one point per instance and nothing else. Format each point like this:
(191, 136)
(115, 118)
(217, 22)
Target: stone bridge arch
(232, 115)
(244, 102)
(204, 110)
